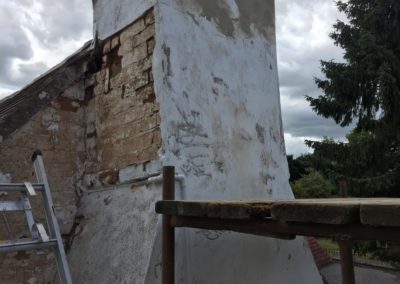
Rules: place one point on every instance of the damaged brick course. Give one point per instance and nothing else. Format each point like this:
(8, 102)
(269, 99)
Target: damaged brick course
(123, 117)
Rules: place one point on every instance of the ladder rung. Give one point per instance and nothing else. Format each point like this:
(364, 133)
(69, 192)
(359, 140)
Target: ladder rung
(18, 187)
(12, 206)
(26, 245)
(39, 235)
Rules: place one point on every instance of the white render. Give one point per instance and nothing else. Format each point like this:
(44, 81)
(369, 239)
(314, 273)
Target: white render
(112, 16)
(115, 238)
(216, 79)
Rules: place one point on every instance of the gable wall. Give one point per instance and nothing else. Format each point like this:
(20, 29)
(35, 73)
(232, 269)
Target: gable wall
(106, 122)
(57, 131)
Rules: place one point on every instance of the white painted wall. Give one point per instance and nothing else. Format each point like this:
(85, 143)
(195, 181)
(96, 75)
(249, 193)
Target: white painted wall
(112, 16)
(114, 239)
(221, 127)
(216, 80)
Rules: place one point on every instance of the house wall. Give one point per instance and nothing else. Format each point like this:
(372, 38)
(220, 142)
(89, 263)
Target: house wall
(115, 236)
(102, 131)
(200, 77)
(122, 118)
(215, 76)
(110, 17)
(57, 131)
(123, 140)
(216, 79)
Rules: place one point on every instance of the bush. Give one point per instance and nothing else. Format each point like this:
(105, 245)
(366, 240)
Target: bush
(313, 185)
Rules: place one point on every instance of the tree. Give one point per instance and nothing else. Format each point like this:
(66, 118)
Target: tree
(366, 87)
(296, 168)
(355, 162)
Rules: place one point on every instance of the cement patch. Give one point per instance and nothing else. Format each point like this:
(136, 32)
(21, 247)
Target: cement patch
(114, 240)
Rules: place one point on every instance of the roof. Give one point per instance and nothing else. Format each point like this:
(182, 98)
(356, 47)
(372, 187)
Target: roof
(18, 108)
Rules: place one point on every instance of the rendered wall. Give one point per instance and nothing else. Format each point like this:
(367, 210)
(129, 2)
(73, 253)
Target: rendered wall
(216, 80)
(215, 76)
(112, 16)
(116, 222)
(114, 239)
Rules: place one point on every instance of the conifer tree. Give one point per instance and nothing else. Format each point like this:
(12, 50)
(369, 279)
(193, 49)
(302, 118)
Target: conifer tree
(365, 88)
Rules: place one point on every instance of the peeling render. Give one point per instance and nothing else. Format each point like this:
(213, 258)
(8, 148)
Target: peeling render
(221, 127)
(257, 16)
(192, 85)
(234, 18)
(217, 11)
(113, 243)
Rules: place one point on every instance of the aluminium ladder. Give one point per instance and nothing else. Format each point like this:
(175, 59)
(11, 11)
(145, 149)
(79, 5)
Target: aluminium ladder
(39, 237)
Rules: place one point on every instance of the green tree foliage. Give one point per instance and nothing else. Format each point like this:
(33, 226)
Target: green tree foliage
(365, 88)
(355, 162)
(296, 168)
(367, 85)
(313, 185)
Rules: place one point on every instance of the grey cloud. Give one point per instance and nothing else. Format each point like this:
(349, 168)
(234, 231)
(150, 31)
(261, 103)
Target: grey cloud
(21, 74)
(13, 40)
(14, 43)
(298, 67)
(5, 92)
(295, 146)
(300, 121)
(301, 44)
(283, 7)
(48, 23)
(54, 21)
(27, 71)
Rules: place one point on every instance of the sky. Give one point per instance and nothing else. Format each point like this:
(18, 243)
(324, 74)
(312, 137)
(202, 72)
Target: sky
(36, 35)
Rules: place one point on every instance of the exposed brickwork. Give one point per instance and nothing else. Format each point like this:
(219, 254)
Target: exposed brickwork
(27, 267)
(58, 131)
(123, 117)
(103, 124)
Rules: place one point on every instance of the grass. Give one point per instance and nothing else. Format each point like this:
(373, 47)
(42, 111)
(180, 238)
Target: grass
(332, 246)
(328, 244)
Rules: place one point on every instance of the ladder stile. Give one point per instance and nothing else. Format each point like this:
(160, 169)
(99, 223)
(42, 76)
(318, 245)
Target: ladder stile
(52, 220)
